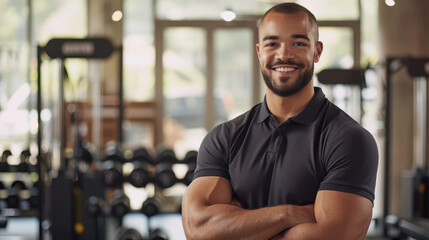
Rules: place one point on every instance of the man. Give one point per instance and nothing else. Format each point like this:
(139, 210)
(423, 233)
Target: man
(293, 167)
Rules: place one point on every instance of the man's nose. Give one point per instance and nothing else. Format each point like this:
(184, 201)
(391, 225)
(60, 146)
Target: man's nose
(285, 52)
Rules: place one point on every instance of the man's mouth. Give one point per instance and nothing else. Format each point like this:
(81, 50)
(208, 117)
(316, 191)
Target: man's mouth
(284, 69)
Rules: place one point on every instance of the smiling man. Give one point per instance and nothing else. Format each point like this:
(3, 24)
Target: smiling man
(294, 166)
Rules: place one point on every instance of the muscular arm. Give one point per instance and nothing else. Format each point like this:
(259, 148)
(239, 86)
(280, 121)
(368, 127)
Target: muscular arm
(338, 215)
(208, 213)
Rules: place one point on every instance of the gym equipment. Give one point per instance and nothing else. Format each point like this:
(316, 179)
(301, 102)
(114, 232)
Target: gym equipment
(4, 164)
(13, 200)
(124, 233)
(142, 154)
(189, 176)
(113, 175)
(62, 208)
(166, 155)
(140, 176)
(349, 77)
(24, 164)
(164, 175)
(151, 206)
(70, 189)
(415, 195)
(121, 204)
(157, 234)
(190, 157)
(191, 161)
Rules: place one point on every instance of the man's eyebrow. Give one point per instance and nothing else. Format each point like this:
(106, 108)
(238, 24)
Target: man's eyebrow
(270, 38)
(297, 36)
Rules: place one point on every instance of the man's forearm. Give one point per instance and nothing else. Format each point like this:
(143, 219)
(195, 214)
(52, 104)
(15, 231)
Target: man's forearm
(231, 222)
(315, 231)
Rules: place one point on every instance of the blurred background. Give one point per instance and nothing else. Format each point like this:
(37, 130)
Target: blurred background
(104, 103)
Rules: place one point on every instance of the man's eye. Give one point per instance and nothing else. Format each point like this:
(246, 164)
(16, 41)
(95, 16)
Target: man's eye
(270, 44)
(299, 44)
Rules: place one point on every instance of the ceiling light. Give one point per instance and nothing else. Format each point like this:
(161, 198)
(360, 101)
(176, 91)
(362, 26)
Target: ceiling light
(117, 16)
(228, 15)
(390, 3)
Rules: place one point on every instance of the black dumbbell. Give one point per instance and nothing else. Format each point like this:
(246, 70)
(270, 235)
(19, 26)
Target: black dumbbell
(13, 200)
(151, 206)
(191, 161)
(24, 162)
(164, 175)
(190, 157)
(83, 152)
(124, 233)
(4, 164)
(95, 206)
(113, 175)
(157, 234)
(141, 174)
(120, 205)
(166, 155)
(189, 176)
(142, 154)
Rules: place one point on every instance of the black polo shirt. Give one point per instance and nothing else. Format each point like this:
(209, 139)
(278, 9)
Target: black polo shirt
(268, 164)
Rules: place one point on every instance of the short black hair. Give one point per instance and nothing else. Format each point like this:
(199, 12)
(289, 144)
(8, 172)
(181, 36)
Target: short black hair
(289, 8)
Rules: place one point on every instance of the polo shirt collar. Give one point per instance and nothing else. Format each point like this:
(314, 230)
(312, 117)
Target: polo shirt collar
(306, 116)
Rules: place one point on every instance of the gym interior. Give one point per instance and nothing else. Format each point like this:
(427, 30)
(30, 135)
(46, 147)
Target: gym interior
(104, 103)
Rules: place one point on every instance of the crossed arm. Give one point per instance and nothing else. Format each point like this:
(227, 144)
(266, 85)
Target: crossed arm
(210, 212)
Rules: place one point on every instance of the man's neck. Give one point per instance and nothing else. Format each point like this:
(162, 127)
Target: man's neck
(284, 108)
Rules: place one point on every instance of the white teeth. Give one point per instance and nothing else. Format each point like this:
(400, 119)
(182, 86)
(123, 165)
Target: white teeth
(284, 69)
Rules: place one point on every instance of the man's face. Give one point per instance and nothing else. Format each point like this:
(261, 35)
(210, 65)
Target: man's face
(287, 51)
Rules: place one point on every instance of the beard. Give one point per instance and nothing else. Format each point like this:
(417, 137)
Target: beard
(302, 80)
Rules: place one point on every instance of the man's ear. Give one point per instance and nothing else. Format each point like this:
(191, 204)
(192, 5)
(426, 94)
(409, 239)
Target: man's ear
(318, 51)
(257, 50)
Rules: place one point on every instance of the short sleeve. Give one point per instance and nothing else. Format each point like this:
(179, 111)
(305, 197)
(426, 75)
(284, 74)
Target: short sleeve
(212, 157)
(351, 162)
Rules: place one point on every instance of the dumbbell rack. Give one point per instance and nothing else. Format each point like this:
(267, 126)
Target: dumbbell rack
(18, 197)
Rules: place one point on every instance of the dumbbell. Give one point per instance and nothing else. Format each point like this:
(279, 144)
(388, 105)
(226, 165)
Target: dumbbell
(113, 175)
(120, 205)
(13, 200)
(151, 206)
(95, 206)
(124, 233)
(157, 234)
(24, 163)
(164, 174)
(4, 165)
(191, 157)
(140, 176)
(166, 155)
(83, 153)
(190, 160)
